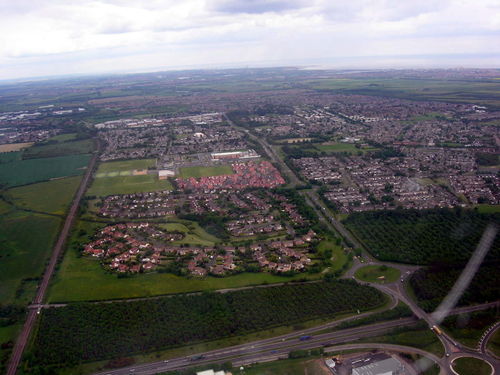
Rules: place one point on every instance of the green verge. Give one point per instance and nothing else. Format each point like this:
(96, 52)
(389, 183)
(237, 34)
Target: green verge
(377, 274)
(51, 197)
(494, 343)
(197, 172)
(418, 336)
(469, 365)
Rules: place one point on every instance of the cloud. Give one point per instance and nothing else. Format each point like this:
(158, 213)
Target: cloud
(135, 35)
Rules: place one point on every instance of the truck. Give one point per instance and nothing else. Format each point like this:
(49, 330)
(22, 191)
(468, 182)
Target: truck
(437, 330)
(304, 338)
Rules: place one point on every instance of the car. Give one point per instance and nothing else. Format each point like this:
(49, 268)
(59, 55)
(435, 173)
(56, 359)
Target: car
(165, 361)
(447, 354)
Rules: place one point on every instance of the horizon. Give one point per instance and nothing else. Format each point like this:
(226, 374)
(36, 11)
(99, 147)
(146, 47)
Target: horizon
(47, 39)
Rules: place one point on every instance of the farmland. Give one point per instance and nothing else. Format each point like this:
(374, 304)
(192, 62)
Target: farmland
(197, 172)
(14, 147)
(422, 237)
(22, 172)
(49, 197)
(84, 146)
(113, 330)
(26, 241)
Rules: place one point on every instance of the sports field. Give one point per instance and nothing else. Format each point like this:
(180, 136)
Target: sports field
(342, 147)
(103, 186)
(125, 165)
(197, 172)
(22, 172)
(51, 196)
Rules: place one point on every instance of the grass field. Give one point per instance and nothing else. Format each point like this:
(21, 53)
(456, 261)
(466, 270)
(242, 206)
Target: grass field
(26, 241)
(377, 274)
(494, 343)
(104, 186)
(469, 365)
(7, 157)
(197, 172)
(339, 257)
(417, 336)
(24, 172)
(12, 147)
(51, 197)
(126, 165)
(287, 367)
(488, 208)
(64, 137)
(343, 147)
(84, 146)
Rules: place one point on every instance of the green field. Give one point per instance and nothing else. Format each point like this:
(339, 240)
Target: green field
(485, 92)
(494, 343)
(126, 165)
(7, 157)
(103, 186)
(51, 197)
(26, 242)
(469, 365)
(24, 172)
(64, 137)
(84, 146)
(343, 147)
(285, 367)
(377, 274)
(197, 172)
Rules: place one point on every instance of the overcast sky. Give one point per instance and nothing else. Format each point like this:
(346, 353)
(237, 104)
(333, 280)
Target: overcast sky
(53, 37)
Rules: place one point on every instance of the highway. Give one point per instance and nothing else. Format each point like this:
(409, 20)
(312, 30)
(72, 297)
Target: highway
(23, 337)
(280, 346)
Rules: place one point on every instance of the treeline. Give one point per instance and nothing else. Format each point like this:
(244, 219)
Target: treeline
(432, 284)
(89, 332)
(423, 236)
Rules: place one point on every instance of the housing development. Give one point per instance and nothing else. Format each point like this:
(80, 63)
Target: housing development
(251, 221)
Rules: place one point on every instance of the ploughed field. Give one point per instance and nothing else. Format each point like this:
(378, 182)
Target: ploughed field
(89, 332)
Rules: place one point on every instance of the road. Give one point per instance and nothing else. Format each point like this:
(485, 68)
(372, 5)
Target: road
(22, 339)
(280, 346)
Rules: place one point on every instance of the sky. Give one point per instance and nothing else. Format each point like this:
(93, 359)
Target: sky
(59, 37)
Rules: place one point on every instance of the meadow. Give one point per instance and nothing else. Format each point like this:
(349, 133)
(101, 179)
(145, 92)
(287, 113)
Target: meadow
(52, 197)
(14, 147)
(26, 242)
(197, 172)
(22, 172)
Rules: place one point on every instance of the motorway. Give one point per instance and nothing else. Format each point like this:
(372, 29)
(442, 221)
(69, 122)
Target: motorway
(22, 339)
(279, 347)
